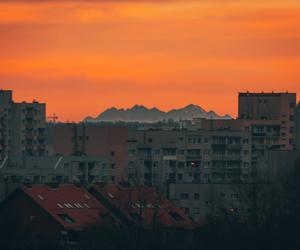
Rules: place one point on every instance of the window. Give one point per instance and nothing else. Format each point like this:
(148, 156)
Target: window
(131, 164)
(206, 176)
(206, 152)
(86, 205)
(246, 152)
(246, 141)
(196, 196)
(156, 152)
(60, 205)
(171, 176)
(234, 196)
(196, 210)
(68, 205)
(184, 196)
(112, 153)
(246, 164)
(40, 197)
(131, 151)
(66, 218)
(180, 177)
(292, 104)
(78, 205)
(155, 164)
(208, 203)
(180, 152)
(206, 164)
(176, 216)
(181, 164)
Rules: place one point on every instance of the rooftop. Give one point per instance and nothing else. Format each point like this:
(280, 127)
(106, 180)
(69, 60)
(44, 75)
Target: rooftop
(71, 206)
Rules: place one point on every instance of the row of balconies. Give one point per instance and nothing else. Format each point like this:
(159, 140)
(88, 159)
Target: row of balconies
(226, 158)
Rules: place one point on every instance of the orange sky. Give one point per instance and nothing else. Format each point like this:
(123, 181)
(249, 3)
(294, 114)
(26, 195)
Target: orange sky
(81, 57)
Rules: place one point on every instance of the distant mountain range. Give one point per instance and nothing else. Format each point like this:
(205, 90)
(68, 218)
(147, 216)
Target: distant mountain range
(139, 113)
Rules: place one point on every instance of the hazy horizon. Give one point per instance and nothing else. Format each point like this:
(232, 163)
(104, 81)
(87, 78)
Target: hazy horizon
(81, 57)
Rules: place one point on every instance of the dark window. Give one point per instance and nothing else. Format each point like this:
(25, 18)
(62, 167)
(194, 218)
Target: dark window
(66, 218)
(184, 196)
(180, 177)
(176, 216)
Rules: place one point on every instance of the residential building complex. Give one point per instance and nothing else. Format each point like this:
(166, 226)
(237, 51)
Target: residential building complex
(197, 158)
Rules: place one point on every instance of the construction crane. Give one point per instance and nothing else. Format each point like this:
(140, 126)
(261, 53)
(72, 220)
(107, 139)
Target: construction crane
(52, 118)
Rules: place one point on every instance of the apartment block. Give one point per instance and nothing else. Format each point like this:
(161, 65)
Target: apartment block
(22, 127)
(201, 200)
(160, 157)
(280, 107)
(81, 139)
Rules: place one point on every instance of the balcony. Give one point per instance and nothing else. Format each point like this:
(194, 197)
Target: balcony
(216, 157)
(273, 135)
(234, 146)
(234, 158)
(29, 126)
(233, 169)
(259, 146)
(258, 134)
(41, 137)
(194, 158)
(29, 135)
(219, 146)
(218, 169)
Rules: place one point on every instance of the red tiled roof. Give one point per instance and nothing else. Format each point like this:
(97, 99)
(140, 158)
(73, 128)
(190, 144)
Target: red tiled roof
(146, 203)
(68, 201)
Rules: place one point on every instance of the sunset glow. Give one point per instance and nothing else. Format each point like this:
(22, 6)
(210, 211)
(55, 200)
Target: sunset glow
(81, 57)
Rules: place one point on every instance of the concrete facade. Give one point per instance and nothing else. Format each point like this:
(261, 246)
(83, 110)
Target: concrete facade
(159, 157)
(271, 106)
(54, 169)
(90, 140)
(22, 127)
